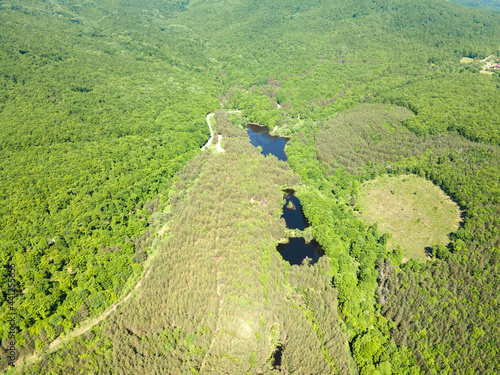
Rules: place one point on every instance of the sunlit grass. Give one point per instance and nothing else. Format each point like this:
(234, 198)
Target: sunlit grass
(416, 212)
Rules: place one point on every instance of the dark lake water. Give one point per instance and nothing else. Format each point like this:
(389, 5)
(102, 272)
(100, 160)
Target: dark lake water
(259, 136)
(296, 250)
(292, 213)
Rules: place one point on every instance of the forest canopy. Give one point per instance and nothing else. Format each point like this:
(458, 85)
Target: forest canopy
(102, 117)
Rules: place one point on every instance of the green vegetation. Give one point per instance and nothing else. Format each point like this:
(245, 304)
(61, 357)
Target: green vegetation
(91, 133)
(363, 134)
(445, 308)
(102, 116)
(449, 305)
(193, 313)
(356, 252)
(364, 137)
(416, 213)
(466, 103)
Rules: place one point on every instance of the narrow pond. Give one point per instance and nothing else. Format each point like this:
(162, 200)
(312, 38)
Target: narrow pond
(292, 212)
(296, 250)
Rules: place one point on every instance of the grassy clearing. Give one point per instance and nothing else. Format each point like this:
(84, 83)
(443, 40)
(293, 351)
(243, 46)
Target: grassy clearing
(416, 212)
(466, 60)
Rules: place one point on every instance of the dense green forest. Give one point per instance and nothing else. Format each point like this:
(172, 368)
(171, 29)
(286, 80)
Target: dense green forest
(83, 150)
(445, 309)
(103, 184)
(218, 302)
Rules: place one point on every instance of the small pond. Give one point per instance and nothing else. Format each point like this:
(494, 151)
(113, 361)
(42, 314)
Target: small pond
(292, 212)
(295, 251)
(259, 136)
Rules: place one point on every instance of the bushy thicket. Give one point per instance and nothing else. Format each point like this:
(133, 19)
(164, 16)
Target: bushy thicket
(219, 298)
(445, 310)
(373, 134)
(356, 252)
(102, 103)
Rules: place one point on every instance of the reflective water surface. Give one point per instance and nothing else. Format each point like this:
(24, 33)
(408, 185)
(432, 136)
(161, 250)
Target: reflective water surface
(259, 136)
(296, 250)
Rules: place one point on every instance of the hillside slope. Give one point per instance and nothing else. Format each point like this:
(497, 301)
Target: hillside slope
(218, 298)
(103, 103)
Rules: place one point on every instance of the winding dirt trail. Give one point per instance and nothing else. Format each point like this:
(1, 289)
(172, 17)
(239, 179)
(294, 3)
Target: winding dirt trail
(211, 132)
(91, 323)
(218, 146)
(88, 324)
(209, 142)
(84, 327)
